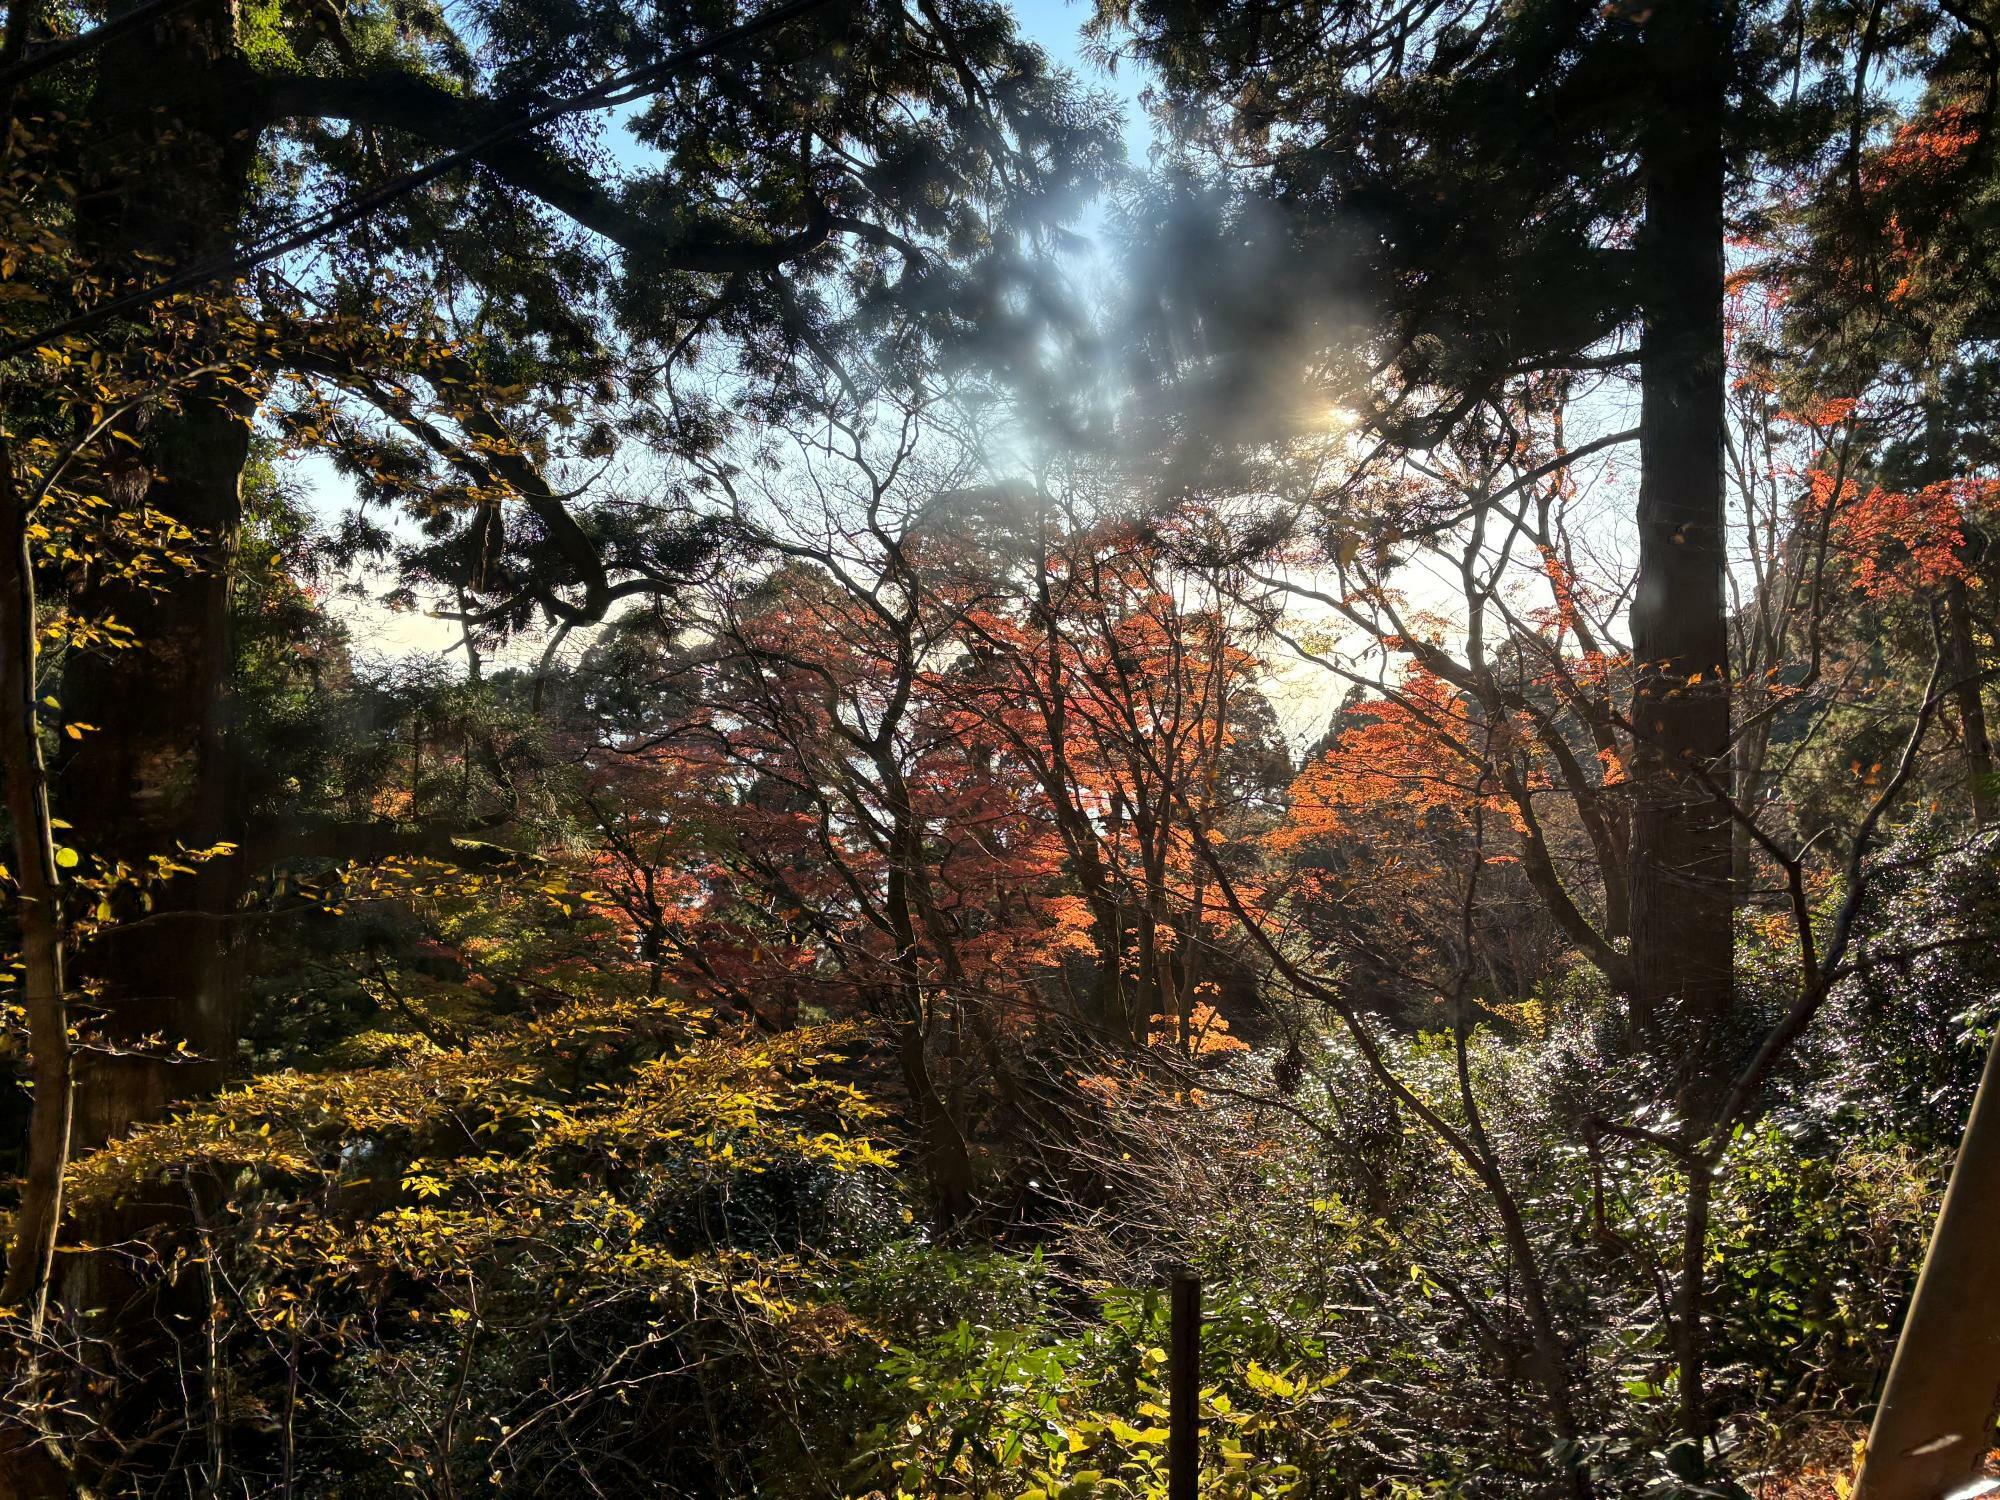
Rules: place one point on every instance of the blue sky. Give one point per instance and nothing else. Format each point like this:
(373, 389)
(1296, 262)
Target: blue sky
(1056, 26)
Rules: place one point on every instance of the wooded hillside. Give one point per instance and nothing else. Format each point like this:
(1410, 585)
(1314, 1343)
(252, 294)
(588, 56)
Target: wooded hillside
(714, 731)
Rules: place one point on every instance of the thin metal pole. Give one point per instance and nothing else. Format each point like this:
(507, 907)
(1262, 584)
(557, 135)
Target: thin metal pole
(1184, 1384)
(1935, 1420)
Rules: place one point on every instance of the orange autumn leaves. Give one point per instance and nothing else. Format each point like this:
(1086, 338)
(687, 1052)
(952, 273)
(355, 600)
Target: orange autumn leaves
(854, 795)
(1414, 752)
(1900, 543)
(1894, 543)
(1386, 824)
(1408, 769)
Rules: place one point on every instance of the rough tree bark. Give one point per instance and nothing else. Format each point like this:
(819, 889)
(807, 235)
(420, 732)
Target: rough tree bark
(29, 1469)
(1681, 887)
(1975, 742)
(31, 1255)
(1682, 891)
(947, 1163)
(172, 158)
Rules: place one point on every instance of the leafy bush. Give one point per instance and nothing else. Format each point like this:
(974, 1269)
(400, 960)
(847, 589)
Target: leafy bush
(1072, 1409)
(1814, 1247)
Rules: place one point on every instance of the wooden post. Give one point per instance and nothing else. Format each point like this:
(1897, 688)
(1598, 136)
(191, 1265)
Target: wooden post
(1935, 1420)
(1184, 1384)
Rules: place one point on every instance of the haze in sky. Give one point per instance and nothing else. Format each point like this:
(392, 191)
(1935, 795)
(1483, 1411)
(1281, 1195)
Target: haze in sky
(1054, 25)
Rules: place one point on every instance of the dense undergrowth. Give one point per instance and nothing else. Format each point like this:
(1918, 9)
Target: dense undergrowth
(1414, 738)
(534, 1228)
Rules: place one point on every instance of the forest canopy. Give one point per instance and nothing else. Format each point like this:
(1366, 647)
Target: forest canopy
(936, 748)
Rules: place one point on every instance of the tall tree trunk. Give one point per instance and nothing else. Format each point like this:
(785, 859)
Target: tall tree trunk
(1681, 890)
(32, 1253)
(29, 1468)
(170, 158)
(1935, 1420)
(1975, 743)
(166, 182)
(947, 1165)
(947, 1162)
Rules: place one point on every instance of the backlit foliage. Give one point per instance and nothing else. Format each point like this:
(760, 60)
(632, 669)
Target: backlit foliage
(947, 789)
(489, 1182)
